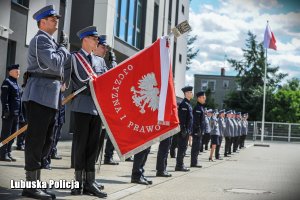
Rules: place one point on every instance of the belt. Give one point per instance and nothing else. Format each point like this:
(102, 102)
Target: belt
(48, 76)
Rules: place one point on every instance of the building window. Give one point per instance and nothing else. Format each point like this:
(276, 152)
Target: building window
(130, 21)
(24, 3)
(204, 84)
(155, 22)
(182, 9)
(208, 84)
(170, 13)
(225, 84)
(180, 58)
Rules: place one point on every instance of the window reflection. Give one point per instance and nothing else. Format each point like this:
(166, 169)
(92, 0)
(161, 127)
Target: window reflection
(129, 21)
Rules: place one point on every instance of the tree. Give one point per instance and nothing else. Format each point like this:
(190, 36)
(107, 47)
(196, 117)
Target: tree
(287, 104)
(250, 76)
(191, 51)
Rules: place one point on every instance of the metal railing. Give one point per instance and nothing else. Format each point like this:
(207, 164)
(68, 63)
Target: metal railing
(274, 131)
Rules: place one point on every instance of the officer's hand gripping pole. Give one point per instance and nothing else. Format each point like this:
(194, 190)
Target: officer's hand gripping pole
(24, 128)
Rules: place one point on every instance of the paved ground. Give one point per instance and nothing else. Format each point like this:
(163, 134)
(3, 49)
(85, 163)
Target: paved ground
(271, 173)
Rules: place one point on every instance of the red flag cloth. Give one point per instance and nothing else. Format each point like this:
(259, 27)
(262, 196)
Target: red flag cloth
(136, 100)
(269, 39)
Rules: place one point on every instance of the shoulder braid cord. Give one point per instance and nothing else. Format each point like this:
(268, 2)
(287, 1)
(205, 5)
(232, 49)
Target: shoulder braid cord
(73, 62)
(44, 69)
(36, 54)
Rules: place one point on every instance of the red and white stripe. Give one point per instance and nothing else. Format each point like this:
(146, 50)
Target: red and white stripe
(269, 39)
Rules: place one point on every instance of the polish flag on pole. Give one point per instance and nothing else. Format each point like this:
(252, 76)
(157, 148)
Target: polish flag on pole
(269, 39)
(136, 100)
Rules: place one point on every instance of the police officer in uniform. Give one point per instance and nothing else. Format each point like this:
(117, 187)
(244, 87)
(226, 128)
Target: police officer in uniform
(185, 113)
(87, 122)
(244, 130)
(222, 127)
(235, 132)
(46, 60)
(228, 133)
(198, 128)
(215, 133)
(11, 110)
(110, 61)
(239, 131)
(206, 136)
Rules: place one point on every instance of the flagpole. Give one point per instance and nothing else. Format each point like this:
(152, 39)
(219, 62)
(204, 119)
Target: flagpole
(264, 99)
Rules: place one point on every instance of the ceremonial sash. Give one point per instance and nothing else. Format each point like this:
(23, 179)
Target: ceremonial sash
(86, 66)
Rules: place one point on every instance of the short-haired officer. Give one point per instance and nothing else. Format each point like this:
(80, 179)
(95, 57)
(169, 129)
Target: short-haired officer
(46, 60)
(84, 66)
(185, 112)
(198, 128)
(11, 110)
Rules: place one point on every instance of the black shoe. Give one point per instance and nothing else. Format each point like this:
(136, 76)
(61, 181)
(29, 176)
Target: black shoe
(56, 157)
(141, 181)
(11, 158)
(47, 166)
(197, 166)
(36, 194)
(78, 177)
(210, 159)
(227, 156)
(163, 174)
(53, 196)
(110, 162)
(20, 148)
(99, 185)
(130, 159)
(5, 158)
(148, 181)
(76, 191)
(33, 192)
(219, 158)
(92, 189)
(182, 169)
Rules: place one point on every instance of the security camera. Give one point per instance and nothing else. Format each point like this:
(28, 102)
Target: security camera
(3, 28)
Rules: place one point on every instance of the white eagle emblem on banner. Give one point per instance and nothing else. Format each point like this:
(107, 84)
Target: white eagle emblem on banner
(148, 93)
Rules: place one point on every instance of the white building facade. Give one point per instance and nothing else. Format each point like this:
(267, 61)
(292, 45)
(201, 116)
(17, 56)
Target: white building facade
(130, 25)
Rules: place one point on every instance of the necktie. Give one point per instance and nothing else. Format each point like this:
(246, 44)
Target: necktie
(90, 58)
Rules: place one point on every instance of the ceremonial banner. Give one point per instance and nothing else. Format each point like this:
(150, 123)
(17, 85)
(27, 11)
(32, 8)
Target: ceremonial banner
(136, 100)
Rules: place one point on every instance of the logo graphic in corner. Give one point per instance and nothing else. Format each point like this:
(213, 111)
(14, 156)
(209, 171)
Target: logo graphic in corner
(148, 93)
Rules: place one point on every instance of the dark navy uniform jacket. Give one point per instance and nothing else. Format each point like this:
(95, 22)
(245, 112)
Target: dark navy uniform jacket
(198, 119)
(11, 97)
(185, 113)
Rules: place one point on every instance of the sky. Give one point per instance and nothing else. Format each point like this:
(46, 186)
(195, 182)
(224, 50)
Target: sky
(222, 27)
